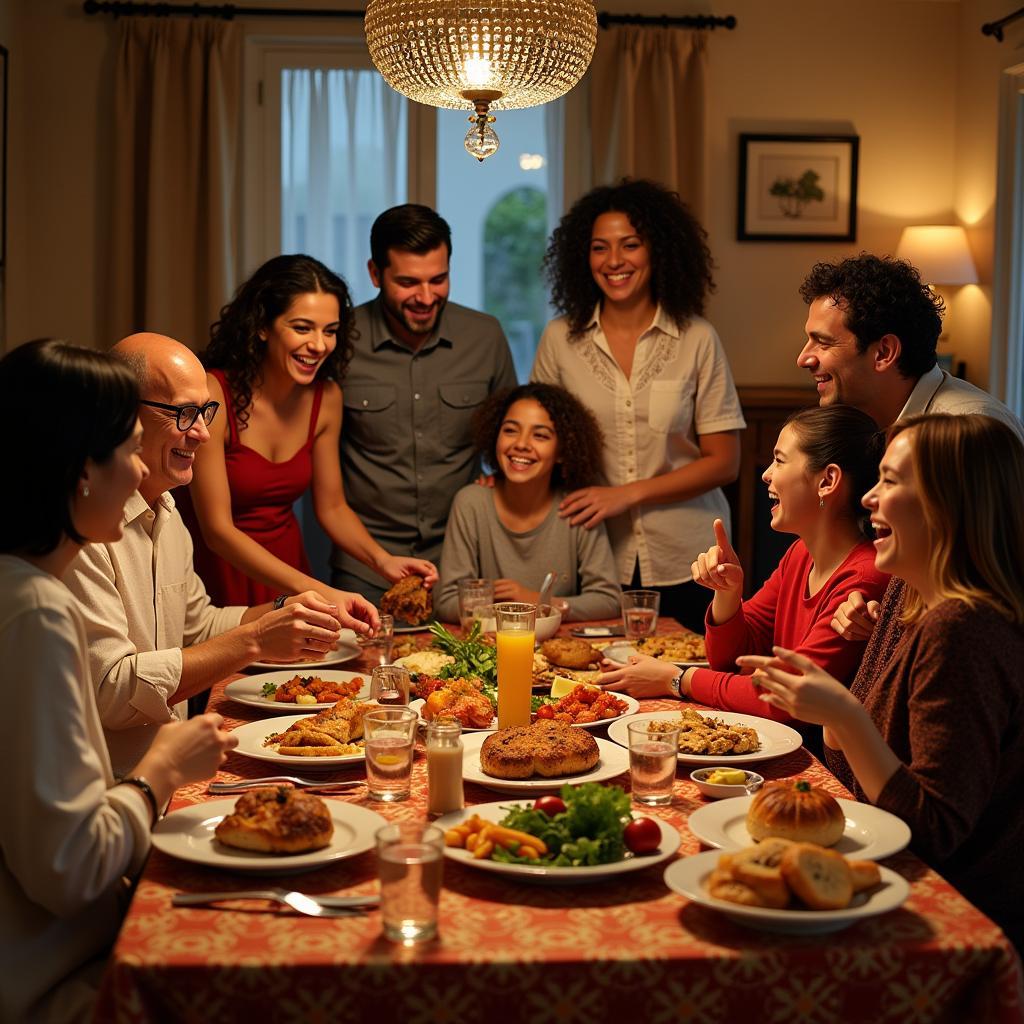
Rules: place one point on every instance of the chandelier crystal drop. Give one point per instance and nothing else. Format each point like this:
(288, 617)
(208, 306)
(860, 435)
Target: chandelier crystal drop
(502, 55)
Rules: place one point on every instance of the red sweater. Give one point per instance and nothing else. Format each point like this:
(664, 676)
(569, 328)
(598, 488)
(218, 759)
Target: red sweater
(782, 614)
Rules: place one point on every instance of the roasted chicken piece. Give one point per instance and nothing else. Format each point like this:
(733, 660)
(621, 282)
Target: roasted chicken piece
(408, 601)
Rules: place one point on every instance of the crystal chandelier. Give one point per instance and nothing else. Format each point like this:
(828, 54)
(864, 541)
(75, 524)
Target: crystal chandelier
(501, 55)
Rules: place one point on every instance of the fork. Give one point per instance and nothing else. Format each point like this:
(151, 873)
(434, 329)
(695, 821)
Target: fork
(269, 780)
(312, 906)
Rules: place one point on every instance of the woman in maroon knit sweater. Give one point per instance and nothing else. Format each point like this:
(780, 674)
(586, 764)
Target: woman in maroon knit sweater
(824, 460)
(937, 736)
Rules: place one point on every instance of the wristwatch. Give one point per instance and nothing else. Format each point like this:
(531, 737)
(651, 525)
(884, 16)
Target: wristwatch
(676, 684)
(147, 791)
(279, 601)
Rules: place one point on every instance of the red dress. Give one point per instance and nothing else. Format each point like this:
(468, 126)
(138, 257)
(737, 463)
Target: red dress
(262, 495)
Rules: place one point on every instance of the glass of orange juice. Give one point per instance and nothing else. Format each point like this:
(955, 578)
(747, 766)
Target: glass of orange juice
(515, 632)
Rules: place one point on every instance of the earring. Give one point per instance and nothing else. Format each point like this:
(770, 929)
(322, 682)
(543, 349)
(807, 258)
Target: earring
(85, 490)
(821, 503)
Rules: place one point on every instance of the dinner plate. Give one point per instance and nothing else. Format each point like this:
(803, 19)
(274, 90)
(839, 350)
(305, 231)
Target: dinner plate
(548, 875)
(613, 761)
(620, 652)
(776, 739)
(345, 650)
(632, 706)
(688, 877)
(188, 835)
(405, 627)
(870, 833)
(249, 691)
(250, 744)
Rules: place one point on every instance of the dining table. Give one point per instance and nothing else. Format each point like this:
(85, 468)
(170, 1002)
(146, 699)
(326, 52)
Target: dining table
(624, 948)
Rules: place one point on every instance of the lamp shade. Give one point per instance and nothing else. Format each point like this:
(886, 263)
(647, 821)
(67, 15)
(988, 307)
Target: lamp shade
(939, 252)
(507, 53)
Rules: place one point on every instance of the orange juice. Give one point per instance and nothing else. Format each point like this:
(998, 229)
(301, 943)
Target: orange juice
(515, 676)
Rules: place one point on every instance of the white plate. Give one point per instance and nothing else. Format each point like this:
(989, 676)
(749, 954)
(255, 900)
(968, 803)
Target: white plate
(345, 650)
(870, 834)
(404, 627)
(188, 835)
(249, 691)
(689, 875)
(613, 760)
(621, 651)
(417, 706)
(550, 875)
(776, 739)
(250, 744)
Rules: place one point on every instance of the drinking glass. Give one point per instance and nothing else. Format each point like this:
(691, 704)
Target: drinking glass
(639, 613)
(409, 859)
(377, 649)
(473, 594)
(515, 624)
(389, 684)
(653, 757)
(390, 735)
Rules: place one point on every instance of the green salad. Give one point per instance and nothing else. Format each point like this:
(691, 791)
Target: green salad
(474, 658)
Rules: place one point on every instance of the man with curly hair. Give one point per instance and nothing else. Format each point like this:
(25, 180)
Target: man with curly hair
(421, 365)
(872, 329)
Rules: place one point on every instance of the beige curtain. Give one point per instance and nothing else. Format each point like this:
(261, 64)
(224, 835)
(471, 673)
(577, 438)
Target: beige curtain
(648, 108)
(174, 238)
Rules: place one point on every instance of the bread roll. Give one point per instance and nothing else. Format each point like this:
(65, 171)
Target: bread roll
(796, 810)
(759, 868)
(820, 878)
(278, 820)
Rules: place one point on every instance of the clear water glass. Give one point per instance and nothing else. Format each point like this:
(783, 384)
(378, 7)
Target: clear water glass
(639, 613)
(653, 757)
(390, 737)
(409, 859)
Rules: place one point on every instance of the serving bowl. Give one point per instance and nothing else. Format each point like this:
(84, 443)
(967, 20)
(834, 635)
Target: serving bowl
(719, 791)
(548, 621)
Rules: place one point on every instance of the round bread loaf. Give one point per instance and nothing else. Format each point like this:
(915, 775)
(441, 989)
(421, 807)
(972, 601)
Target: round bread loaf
(545, 748)
(796, 810)
(279, 820)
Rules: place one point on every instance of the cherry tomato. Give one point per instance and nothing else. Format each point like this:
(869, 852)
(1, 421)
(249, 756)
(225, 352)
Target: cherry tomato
(642, 835)
(552, 805)
(545, 711)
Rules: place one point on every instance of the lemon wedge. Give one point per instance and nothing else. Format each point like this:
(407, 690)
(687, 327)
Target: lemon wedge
(561, 686)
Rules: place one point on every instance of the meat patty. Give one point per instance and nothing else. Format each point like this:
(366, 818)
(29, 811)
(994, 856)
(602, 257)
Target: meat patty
(546, 748)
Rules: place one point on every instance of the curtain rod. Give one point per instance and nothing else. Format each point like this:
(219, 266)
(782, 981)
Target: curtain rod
(995, 28)
(130, 9)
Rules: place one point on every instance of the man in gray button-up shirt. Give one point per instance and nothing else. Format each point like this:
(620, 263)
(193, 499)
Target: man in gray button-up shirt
(420, 368)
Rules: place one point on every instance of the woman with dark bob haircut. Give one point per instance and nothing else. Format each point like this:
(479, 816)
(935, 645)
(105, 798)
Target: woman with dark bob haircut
(935, 736)
(540, 441)
(630, 269)
(70, 832)
(824, 460)
(276, 360)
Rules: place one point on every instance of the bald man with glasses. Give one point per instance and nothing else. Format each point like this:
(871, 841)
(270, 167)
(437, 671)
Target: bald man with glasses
(155, 639)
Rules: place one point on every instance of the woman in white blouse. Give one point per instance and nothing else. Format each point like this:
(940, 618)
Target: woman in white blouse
(630, 269)
(69, 833)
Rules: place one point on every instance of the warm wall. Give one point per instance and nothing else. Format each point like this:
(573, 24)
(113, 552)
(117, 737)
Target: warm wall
(883, 68)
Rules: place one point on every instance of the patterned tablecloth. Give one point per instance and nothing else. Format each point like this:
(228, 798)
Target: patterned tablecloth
(624, 950)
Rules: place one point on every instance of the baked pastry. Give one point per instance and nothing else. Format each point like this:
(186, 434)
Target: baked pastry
(545, 748)
(408, 601)
(723, 886)
(820, 878)
(865, 874)
(278, 820)
(796, 810)
(568, 652)
(330, 732)
(759, 868)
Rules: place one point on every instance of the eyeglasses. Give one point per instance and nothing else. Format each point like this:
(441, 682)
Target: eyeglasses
(186, 415)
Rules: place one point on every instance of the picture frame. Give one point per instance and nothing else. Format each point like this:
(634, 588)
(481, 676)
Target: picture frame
(797, 188)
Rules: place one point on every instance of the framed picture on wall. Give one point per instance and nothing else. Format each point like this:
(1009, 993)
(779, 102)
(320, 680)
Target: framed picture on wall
(796, 188)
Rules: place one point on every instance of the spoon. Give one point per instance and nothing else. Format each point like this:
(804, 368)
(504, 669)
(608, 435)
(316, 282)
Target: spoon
(545, 589)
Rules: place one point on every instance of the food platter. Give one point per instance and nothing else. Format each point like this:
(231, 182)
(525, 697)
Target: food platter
(870, 833)
(632, 706)
(345, 650)
(688, 878)
(418, 705)
(250, 744)
(614, 760)
(777, 739)
(249, 690)
(546, 875)
(188, 835)
(621, 651)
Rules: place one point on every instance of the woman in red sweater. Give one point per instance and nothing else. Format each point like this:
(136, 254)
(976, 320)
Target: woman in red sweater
(824, 460)
(937, 736)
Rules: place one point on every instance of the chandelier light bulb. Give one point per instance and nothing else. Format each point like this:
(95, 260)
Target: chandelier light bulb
(478, 72)
(481, 140)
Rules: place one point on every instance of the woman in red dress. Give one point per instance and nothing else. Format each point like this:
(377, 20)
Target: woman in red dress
(276, 359)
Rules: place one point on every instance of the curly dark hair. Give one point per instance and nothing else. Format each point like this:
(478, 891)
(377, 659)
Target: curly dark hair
(681, 263)
(235, 343)
(882, 295)
(580, 441)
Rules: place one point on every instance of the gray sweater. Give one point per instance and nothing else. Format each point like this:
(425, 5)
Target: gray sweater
(478, 545)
